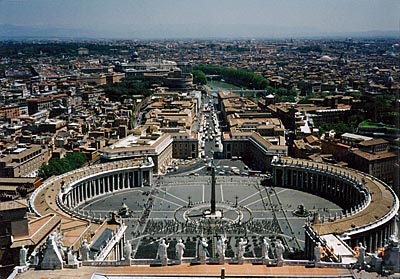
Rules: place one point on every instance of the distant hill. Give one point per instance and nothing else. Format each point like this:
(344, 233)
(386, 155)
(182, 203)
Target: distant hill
(13, 32)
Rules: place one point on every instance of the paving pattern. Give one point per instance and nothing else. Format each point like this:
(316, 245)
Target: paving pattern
(176, 207)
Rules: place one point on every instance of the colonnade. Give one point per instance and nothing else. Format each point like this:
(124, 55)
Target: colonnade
(374, 239)
(105, 183)
(342, 187)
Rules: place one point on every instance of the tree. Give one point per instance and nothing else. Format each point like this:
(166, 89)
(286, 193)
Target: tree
(199, 77)
(128, 87)
(339, 127)
(57, 166)
(239, 77)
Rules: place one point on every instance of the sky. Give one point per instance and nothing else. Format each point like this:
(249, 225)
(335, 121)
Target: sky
(205, 18)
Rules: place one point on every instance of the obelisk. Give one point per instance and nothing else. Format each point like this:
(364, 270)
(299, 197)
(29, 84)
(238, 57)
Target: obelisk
(212, 189)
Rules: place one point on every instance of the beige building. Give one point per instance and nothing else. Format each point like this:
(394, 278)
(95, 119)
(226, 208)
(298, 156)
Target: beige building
(161, 147)
(23, 160)
(185, 146)
(253, 149)
(373, 157)
(270, 128)
(365, 154)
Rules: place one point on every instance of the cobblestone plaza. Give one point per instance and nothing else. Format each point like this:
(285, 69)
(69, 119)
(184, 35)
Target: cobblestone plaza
(176, 208)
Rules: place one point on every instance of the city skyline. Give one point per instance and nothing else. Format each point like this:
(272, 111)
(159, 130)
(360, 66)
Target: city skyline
(170, 19)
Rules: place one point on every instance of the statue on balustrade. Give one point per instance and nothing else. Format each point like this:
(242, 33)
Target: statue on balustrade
(127, 250)
(179, 249)
(84, 250)
(265, 249)
(202, 251)
(162, 252)
(317, 252)
(221, 247)
(279, 249)
(241, 249)
(361, 255)
(23, 252)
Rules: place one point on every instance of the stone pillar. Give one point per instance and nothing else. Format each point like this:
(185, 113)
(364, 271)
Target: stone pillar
(76, 199)
(106, 185)
(88, 186)
(150, 177)
(81, 198)
(371, 248)
(285, 177)
(84, 191)
(98, 186)
(88, 189)
(77, 195)
(301, 180)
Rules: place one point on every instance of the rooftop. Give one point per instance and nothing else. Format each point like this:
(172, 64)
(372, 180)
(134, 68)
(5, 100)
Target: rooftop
(187, 271)
(12, 205)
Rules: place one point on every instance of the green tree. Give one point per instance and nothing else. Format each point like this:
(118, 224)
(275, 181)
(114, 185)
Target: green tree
(339, 127)
(239, 77)
(57, 166)
(128, 87)
(199, 77)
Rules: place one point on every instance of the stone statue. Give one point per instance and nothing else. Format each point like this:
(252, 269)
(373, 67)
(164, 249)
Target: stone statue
(361, 255)
(84, 249)
(391, 254)
(59, 243)
(162, 252)
(221, 247)
(318, 252)
(127, 250)
(23, 252)
(241, 248)
(279, 249)
(265, 249)
(71, 258)
(392, 241)
(202, 248)
(179, 249)
(34, 258)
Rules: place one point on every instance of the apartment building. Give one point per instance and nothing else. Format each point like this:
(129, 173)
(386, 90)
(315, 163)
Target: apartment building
(22, 160)
(253, 149)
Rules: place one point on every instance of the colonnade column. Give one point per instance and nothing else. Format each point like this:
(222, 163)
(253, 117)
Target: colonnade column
(132, 182)
(370, 244)
(150, 179)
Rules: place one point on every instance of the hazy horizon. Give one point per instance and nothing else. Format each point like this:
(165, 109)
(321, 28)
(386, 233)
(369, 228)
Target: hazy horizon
(165, 19)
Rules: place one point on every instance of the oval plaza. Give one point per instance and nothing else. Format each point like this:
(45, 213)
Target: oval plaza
(367, 215)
